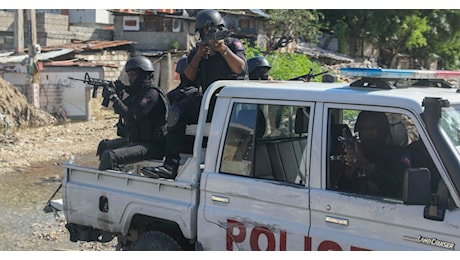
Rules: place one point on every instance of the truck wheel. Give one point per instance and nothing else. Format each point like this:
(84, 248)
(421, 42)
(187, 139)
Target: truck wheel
(124, 246)
(156, 241)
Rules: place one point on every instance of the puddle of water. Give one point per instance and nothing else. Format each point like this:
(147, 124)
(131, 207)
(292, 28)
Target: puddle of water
(23, 195)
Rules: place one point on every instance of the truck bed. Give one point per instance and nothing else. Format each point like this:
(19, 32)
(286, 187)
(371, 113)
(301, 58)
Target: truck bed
(108, 200)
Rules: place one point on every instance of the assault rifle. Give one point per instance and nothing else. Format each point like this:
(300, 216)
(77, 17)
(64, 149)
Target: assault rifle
(307, 77)
(347, 139)
(213, 33)
(96, 83)
(216, 34)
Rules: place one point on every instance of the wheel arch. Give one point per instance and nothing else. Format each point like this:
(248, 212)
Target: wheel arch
(157, 214)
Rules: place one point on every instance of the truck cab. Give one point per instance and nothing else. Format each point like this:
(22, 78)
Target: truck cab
(281, 192)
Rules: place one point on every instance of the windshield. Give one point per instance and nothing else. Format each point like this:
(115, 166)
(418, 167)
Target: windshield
(450, 122)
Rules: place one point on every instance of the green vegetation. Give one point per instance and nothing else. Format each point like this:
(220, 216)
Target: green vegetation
(174, 44)
(286, 65)
(419, 33)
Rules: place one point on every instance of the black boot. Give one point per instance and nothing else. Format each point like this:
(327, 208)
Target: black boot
(168, 170)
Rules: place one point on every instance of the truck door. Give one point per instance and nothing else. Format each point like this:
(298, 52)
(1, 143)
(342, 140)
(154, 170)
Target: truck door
(256, 198)
(348, 212)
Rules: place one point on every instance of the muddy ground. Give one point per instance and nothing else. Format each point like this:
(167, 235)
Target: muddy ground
(32, 146)
(30, 172)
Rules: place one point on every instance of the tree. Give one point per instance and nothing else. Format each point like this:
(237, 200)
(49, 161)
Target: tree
(287, 25)
(443, 38)
(418, 33)
(408, 35)
(348, 26)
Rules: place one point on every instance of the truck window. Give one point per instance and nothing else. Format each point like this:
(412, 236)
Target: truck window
(450, 123)
(267, 142)
(369, 152)
(237, 154)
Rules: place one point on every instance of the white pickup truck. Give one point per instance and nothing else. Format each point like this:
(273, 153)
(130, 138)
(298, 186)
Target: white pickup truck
(264, 175)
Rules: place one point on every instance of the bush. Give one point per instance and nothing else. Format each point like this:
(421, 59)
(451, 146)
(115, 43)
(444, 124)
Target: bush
(174, 44)
(286, 66)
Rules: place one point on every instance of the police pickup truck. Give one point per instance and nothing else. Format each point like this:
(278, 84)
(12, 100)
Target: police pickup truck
(266, 174)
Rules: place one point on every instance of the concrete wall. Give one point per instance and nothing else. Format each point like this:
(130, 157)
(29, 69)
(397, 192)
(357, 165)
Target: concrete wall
(6, 30)
(115, 59)
(52, 29)
(150, 38)
(90, 17)
(58, 91)
(155, 40)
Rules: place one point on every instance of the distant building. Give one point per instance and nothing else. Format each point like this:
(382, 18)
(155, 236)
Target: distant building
(100, 18)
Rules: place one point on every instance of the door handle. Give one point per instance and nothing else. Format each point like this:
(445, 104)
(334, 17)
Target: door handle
(220, 199)
(335, 220)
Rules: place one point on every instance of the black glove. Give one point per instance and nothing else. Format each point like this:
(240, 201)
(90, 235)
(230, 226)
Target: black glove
(109, 93)
(119, 87)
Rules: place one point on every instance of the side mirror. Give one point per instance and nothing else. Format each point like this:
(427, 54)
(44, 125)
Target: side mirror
(417, 186)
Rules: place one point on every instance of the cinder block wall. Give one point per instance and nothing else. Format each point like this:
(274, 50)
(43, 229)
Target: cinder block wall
(52, 30)
(115, 59)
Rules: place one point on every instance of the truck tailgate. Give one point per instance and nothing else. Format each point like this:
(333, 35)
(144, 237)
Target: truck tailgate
(107, 200)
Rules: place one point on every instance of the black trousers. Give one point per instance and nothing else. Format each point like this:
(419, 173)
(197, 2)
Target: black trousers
(117, 152)
(189, 112)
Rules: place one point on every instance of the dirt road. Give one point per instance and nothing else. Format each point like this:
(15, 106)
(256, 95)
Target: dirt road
(30, 173)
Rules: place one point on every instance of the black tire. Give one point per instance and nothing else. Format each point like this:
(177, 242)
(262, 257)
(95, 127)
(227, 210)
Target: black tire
(124, 246)
(156, 241)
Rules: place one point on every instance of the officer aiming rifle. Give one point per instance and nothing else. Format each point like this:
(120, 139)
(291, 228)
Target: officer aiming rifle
(213, 33)
(96, 83)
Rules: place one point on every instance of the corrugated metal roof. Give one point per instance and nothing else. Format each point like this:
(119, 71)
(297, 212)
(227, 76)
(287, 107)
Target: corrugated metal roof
(50, 52)
(41, 56)
(77, 63)
(81, 46)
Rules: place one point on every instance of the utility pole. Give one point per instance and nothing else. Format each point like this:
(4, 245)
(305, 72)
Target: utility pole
(33, 51)
(19, 32)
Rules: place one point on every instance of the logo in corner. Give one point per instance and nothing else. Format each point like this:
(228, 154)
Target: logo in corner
(431, 242)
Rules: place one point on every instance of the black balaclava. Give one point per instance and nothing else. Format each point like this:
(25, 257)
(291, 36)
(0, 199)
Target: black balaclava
(377, 124)
(142, 80)
(260, 73)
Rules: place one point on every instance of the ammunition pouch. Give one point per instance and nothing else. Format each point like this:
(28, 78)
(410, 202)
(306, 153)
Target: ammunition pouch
(181, 93)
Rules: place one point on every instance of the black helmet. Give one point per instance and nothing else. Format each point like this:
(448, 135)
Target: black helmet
(139, 62)
(181, 64)
(256, 62)
(209, 17)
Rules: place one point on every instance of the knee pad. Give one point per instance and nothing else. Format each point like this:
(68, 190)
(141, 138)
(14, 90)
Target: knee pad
(174, 116)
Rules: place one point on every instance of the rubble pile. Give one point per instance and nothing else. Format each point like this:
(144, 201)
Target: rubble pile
(29, 135)
(17, 113)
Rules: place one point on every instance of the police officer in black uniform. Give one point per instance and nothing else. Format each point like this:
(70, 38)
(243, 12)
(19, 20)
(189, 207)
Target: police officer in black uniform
(258, 68)
(207, 62)
(142, 118)
(376, 165)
